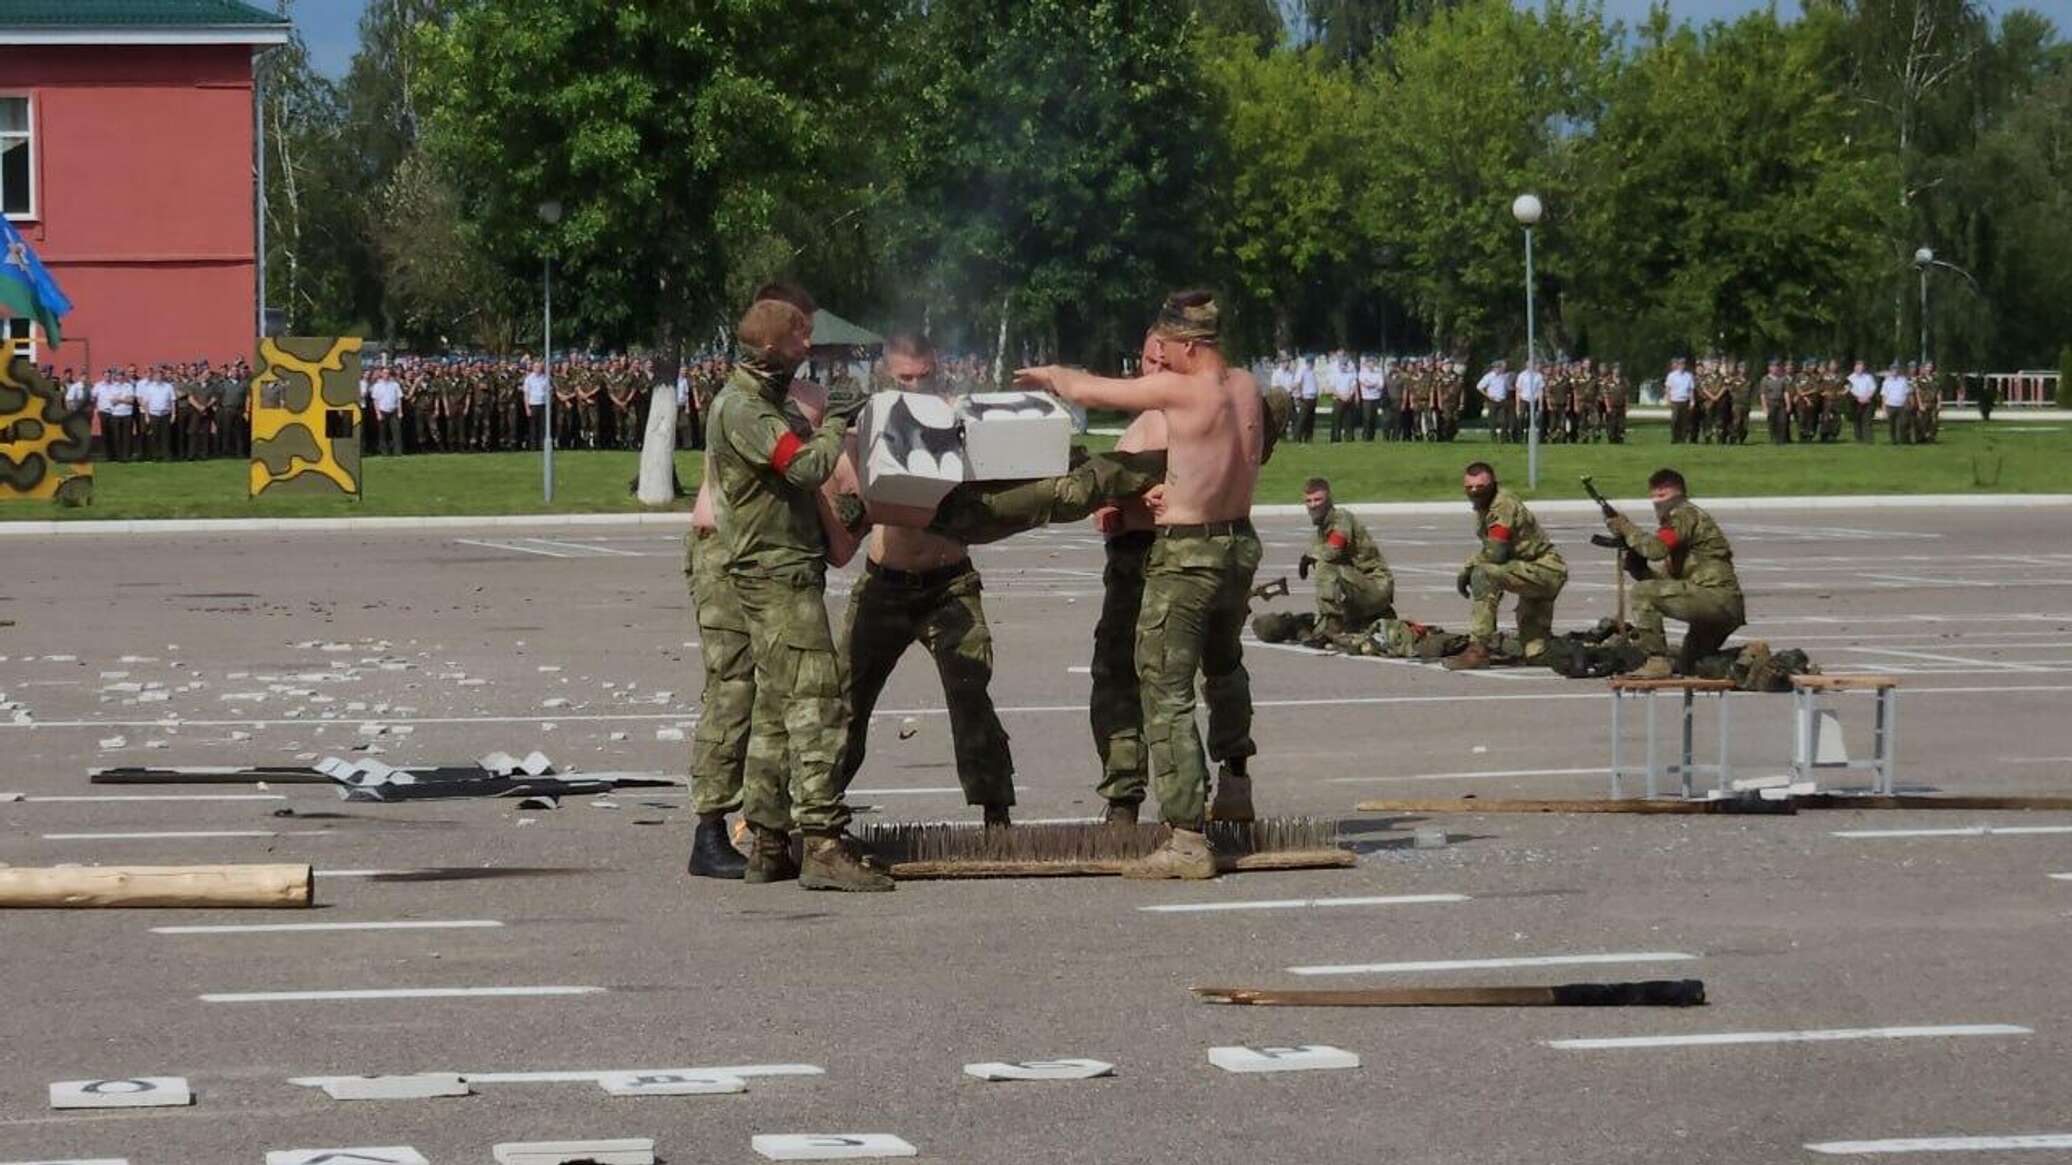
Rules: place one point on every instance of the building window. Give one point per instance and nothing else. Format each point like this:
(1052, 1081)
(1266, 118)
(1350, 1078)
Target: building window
(16, 147)
(18, 328)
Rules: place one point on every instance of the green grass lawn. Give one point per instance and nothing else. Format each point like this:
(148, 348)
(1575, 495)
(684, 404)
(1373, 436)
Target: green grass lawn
(1972, 458)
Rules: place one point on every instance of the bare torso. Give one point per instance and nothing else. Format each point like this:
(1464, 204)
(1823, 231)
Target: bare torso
(1146, 432)
(1213, 444)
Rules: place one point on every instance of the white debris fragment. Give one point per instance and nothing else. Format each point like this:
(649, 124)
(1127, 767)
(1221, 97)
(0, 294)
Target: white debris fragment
(239, 735)
(618, 736)
(548, 667)
(555, 702)
(670, 734)
(123, 742)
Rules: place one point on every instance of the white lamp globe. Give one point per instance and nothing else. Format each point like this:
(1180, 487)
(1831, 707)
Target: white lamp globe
(1526, 209)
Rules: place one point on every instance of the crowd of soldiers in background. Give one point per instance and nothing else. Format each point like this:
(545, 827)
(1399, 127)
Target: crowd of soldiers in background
(1422, 398)
(166, 412)
(1803, 401)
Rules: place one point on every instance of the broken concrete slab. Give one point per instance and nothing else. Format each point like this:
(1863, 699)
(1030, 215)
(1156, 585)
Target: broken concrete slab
(419, 1086)
(670, 1084)
(830, 1146)
(625, 1151)
(133, 1092)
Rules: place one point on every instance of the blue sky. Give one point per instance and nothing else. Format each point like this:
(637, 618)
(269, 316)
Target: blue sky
(331, 26)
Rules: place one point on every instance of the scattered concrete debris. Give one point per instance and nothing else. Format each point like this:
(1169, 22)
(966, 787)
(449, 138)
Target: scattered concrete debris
(420, 1086)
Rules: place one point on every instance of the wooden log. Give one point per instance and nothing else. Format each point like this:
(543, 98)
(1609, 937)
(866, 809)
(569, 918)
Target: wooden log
(1724, 805)
(1928, 801)
(255, 886)
(1652, 993)
(1306, 859)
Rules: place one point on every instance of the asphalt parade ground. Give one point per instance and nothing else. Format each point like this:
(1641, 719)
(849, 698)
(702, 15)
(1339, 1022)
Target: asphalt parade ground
(1882, 984)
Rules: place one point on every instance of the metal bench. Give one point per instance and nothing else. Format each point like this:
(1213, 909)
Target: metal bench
(1807, 696)
(1624, 688)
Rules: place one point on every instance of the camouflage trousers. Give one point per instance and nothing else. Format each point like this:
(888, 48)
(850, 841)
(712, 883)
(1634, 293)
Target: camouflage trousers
(799, 715)
(719, 747)
(1536, 584)
(1713, 613)
(1352, 598)
(1115, 709)
(980, 512)
(888, 611)
(1196, 586)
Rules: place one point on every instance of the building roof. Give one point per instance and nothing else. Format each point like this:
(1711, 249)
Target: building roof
(101, 22)
(832, 331)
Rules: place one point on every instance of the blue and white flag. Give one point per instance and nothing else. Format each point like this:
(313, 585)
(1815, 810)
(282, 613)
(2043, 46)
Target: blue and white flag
(26, 288)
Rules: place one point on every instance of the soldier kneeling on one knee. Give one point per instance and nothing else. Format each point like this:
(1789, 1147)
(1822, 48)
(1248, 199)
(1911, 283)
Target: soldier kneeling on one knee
(1685, 569)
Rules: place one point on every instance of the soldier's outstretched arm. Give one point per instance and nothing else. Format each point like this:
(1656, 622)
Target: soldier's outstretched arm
(1163, 390)
(802, 463)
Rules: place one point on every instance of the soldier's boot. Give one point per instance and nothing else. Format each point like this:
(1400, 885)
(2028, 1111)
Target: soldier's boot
(1656, 667)
(1233, 800)
(1473, 657)
(836, 862)
(769, 856)
(712, 854)
(1185, 855)
(1121, 814)
(997, 817)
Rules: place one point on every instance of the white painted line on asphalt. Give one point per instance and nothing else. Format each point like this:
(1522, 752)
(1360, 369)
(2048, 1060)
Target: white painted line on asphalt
(599, 1075)
(1079, 670)
(2062, 877)
(1933, 657)
(906, 792)
(1494, 964)
(1815, 1036)
(1946, 1144)
(394, 993)
(585, 548)
(512, 546)
(1304, 903)
(182, 834)
(86, 799)
(1469, 775)
(1964, 831)
(310, 927)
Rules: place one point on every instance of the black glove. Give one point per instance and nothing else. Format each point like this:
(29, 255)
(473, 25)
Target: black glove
(846, 401)
(1637, 566)
(1303, 565)
(1461, 580)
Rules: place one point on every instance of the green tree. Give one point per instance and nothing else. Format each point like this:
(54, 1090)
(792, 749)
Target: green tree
(309, 223)
(680, 139)
(1051, 164)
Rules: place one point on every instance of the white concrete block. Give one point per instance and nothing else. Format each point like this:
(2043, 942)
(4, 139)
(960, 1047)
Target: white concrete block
(419, 1086)
(498, 764)
(1010, 435)
(831, 1146)
(1041, 1070)
(670, 1084)
(536, 764)
(1746, 784)
(1296, 1058)
(392, 1155)
(135, 1092)
(660, 734)
(626, 1151)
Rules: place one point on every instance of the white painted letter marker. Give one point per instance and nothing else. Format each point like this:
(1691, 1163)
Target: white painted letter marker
(831, 1146)
(1302, 1058)
(398, 1155)
(670, 1084)
(137, 1092)
(420, 1086)
(1997, 1144)
(1041, 1070)
(626, 1151)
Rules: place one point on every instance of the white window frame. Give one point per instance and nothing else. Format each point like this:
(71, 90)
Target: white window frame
(29, 136)
(22, 327)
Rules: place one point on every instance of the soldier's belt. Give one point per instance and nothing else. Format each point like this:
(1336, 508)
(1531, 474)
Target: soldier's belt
(1207, 529)
(918, 579)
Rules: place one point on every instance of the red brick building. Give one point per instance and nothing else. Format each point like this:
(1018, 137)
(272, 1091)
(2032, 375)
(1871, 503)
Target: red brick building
(126, 160)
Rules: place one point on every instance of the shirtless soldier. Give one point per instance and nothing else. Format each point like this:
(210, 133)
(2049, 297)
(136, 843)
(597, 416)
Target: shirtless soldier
(1199, 572)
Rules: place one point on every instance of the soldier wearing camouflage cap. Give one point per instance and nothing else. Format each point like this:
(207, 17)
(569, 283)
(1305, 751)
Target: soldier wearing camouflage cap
(1689, 569)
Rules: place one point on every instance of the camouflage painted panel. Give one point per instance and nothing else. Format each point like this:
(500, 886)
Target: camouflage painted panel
(307, 388)
(43, 450)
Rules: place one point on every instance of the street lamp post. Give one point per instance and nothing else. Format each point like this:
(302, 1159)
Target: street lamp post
(550, 213)
(1923, 260)
(1526, 209)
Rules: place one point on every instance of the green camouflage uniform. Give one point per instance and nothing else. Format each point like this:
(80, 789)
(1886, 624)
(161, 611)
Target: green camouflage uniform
(1197, 583)
(888, 611)
(1693, 582)
(1115, 707)
(1354, 586)
(720, 746)
(775, 556)
(1513, 556)
(976, 513)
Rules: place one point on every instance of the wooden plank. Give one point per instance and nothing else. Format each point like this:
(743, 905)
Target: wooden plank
(255, 886)
(1844, 683)
(1671, 684)
(1652, 993)
(1730, 805)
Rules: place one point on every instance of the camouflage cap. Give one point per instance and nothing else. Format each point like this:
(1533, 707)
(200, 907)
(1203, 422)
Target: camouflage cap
(1190, 316)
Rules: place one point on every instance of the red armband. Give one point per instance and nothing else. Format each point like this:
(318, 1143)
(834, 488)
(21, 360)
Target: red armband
(1335, 540)
(787, 448)
(1668, 536)
(1500, 532)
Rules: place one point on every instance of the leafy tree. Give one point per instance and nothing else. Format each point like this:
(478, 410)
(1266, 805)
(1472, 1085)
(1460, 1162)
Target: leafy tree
(307, 222)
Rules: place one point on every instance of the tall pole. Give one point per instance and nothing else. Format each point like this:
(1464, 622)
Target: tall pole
(1924, 313)
(1532, 433)
(547, 347)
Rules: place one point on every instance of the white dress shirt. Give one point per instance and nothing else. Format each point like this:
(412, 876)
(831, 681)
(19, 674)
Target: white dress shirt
(536, 388)
(386, 394)
(1494, 384)
(1897, 390)
(1529, 384)
(1863, 386)
(1678, 385)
